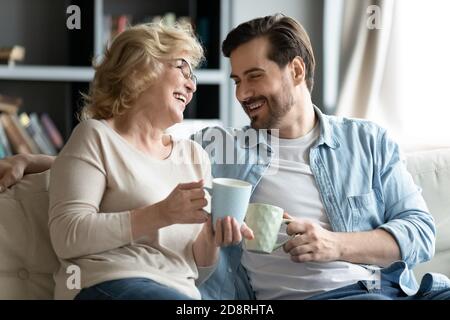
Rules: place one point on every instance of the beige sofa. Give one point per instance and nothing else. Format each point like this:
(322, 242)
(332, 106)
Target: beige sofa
(27, 259)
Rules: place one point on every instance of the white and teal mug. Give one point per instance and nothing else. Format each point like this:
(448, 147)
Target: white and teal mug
(229, 197)
(265, 220)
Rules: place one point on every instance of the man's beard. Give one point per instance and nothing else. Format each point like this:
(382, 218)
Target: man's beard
(277, 110)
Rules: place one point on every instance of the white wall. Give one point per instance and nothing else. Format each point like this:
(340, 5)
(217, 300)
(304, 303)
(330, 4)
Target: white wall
(308, 12)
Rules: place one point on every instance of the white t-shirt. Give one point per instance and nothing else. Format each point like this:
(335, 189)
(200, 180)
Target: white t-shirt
(275, 276)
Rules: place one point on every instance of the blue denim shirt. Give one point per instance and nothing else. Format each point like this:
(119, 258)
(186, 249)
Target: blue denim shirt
(363, 183)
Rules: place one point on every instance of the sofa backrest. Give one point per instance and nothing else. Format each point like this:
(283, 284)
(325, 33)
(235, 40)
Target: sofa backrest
(27, 260)
(431, 171)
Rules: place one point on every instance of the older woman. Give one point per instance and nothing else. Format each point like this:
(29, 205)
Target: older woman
(126, 200)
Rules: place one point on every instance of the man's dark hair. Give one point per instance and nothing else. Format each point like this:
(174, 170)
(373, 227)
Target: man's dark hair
(287, 39)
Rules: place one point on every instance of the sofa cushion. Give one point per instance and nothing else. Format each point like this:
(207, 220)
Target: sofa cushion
(431, 171)
(27, 261)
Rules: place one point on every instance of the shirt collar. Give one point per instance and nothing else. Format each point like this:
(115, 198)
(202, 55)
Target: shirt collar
(326, 131)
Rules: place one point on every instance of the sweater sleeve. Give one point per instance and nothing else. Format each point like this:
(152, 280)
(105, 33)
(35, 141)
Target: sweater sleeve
(77, 185)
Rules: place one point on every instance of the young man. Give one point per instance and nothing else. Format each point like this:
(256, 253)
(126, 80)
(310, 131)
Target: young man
(356, 208)
(361, 224)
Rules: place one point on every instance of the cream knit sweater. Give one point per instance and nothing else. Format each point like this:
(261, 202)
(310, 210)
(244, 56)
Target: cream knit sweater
(95, 182)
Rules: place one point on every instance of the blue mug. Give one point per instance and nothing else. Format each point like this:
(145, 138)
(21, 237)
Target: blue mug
(230, 197)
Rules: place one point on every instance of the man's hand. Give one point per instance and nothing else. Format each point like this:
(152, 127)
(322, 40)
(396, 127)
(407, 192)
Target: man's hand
(11, 170)
(311, 243)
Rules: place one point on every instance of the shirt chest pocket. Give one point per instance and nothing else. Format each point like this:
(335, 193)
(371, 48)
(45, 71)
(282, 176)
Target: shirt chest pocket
(365, 207)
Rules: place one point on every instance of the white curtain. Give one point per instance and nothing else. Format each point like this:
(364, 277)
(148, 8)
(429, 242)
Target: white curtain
(362, 53)
(422, 86)
(396, 75)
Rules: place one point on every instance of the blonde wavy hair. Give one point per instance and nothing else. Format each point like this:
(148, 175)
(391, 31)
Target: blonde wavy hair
(131, 64)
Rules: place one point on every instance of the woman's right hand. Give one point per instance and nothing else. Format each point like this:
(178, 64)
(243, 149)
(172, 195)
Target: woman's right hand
(185, 204)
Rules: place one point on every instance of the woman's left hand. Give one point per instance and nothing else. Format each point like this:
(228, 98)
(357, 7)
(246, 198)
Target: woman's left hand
(229, 233)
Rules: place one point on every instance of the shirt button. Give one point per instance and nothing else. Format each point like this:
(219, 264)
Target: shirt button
(230, 270)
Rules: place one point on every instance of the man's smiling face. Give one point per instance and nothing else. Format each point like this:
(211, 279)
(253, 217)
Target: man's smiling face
(262, 88)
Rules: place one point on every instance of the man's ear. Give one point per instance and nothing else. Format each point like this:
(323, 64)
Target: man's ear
(298, 70)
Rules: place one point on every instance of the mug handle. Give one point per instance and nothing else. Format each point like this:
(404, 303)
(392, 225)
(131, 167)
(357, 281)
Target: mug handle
(209, 190)
(279, 245)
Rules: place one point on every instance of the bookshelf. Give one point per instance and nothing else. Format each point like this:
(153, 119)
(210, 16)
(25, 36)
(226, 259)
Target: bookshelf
(57, 60)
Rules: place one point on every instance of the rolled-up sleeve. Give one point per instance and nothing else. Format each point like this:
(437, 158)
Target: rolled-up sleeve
(407, 216)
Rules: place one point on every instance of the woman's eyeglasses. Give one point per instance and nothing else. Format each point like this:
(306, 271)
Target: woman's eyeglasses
(186, 70)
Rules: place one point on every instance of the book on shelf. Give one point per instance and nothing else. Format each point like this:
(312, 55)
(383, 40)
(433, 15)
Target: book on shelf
(9, 104)
(10, 55)
(36, 132)
(2, 152)
(4, 143)
(52, 131)
(26, 134)
(113, 25)
(37, 125)
(169, 18)
(29, 140)
(15, 136)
